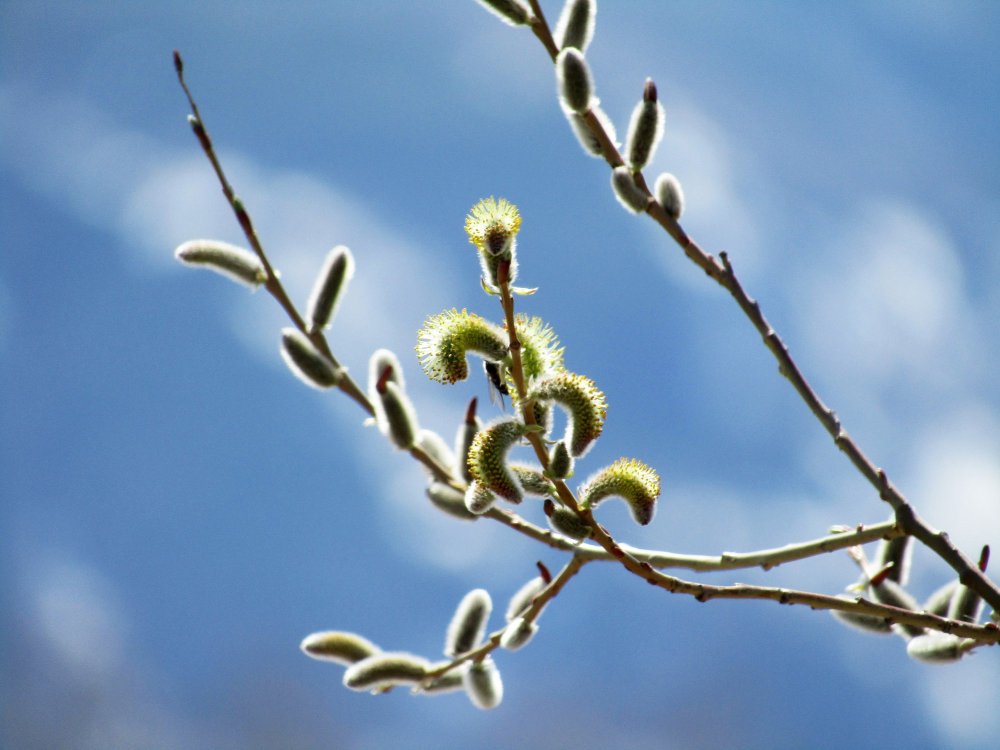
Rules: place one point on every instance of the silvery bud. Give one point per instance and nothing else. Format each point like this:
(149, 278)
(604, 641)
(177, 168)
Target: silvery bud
(329, 288)
(670, 195)
(483, 684)
(633, 198)
(576, 88)
(235, 262)
(468, 625)
(341, 647)
(645, 129)
(384, 670)
(306, 362)
(575, 27)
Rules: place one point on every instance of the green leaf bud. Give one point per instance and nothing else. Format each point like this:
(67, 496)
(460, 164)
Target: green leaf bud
(449, 682)
(568, 523)
(237, 263)
(591, 145)
(446, 338)
(936, 648)
(463, 439)
(629, 479)
(483, 684)
(517, 634)
(512, 12)
(633, 198)
(384, 670)
(448, 499)
(488, 458)
(575, 27)
(306, 361)
(329, 288)
(478, 499)
(523, 598)
(584, 404)
(645, 128)
(341, 647)
(532, 480)
(670, 195)
(560, 462)
(576, 88)
(866, 623)
(468, 625)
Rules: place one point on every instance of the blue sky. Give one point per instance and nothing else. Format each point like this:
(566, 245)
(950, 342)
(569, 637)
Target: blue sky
(178, 511)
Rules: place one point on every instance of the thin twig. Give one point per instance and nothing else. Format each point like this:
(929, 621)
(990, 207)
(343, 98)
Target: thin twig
(273, 283)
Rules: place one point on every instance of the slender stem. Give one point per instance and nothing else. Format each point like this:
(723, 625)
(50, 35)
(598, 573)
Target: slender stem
(273, 283)
(723, 274)
(530, 616)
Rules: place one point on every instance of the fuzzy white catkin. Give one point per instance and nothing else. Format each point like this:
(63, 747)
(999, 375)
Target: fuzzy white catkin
(306, 362)
(591, 145)
(396, 417)
(670, 195)
(575, 27)
(513, 12)
(576, 88)
(935, 648)
(236, 263)
(384, 670)
(434, 446)
(332, 282)
(341, 647)
(522, 598)
(645, 129)
(380, 359)
(478, 499)
(468, 625)
(517, 634)
(633, 199)
(449, 500)
(483, 684)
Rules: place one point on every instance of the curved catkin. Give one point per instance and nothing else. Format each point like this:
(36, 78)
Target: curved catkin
(385, 670)
(523, 597)
(575, 27)
(633, 481)
(483, 684)
(445, 340)
(540, 350)
(306, 362)
(338, 646)
(468, 625)
(669, 195)
(576, 88)
(512, 12)
(633, 198)
(488, 458)
(583, 403)
(329, 288)
(645, 129)
(237, 263)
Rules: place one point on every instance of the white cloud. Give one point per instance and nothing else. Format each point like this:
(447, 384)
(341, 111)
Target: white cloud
(961, 699)
(954, 479)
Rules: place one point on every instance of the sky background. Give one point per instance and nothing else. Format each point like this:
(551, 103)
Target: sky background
(178, 512)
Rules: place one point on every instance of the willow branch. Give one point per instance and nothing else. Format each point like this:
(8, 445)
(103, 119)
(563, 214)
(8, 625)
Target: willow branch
(723, 274)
